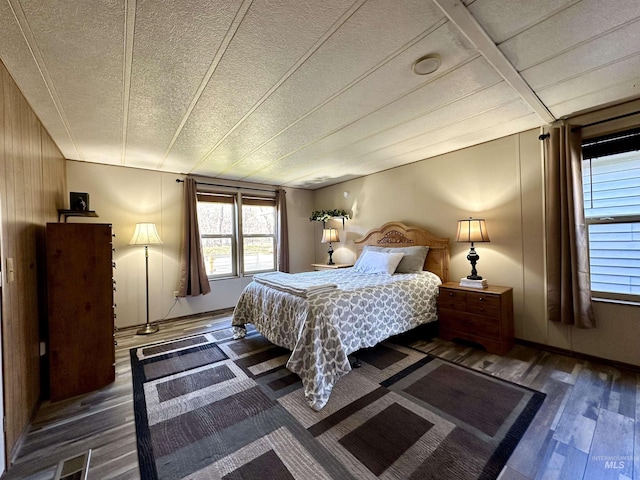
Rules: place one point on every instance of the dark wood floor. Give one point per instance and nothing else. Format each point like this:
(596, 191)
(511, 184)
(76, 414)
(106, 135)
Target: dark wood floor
(586, 428)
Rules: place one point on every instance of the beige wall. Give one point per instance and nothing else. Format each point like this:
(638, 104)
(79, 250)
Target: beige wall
(125, 196)
(500, 181)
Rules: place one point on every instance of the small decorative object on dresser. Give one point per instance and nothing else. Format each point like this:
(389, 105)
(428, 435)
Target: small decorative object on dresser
(484, 317)
(78, 207)
(79, 201)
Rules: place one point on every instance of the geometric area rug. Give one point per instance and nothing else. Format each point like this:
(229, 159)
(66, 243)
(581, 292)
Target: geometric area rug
(208, 406)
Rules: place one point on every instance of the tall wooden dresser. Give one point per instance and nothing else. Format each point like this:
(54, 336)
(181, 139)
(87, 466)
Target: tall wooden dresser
(80, 308)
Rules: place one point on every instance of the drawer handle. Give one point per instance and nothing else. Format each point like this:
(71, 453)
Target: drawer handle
(451, 294)
(481, 299)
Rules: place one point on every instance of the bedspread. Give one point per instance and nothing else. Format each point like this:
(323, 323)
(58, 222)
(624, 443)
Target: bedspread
(322, 330)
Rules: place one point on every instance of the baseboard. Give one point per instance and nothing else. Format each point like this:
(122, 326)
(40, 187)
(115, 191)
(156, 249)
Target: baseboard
(12, 456)
(193, 316)
(582, 356)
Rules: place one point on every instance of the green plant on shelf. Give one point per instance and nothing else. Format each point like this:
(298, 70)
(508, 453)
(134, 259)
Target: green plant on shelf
(324, 215)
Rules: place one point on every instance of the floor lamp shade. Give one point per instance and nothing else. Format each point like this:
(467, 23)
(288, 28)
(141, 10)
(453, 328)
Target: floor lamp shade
(146, 234)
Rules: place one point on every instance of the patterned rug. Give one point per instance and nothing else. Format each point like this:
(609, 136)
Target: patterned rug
(210, 407)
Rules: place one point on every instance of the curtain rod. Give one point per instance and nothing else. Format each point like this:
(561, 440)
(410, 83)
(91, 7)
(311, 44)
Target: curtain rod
(229, 186)
(580, 127)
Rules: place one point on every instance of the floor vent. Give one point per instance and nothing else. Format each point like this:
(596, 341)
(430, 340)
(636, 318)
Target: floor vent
(74, 468)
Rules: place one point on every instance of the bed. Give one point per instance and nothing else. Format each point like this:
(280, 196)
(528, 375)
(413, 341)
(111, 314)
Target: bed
(322, 317)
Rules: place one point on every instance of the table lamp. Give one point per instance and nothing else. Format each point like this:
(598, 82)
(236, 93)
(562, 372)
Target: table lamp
(472, 230)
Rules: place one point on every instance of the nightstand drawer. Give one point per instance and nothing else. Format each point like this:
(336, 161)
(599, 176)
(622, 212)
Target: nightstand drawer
(470, 324)
(452, 299)
(483, 304)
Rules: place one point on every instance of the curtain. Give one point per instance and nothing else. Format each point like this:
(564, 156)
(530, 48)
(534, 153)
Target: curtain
(568, 273)
(282, 230)
(193, 275)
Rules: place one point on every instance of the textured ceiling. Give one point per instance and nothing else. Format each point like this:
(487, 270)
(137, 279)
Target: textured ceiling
(309, 93)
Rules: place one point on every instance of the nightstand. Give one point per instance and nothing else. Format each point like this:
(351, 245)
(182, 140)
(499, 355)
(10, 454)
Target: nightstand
(324, 266)
(483, 316)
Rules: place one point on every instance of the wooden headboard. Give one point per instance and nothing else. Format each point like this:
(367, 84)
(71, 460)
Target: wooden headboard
(396, 234)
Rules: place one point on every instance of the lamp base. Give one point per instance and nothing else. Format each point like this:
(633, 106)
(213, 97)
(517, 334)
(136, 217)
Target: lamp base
(474, 277)
(148, 329)
(330, 252)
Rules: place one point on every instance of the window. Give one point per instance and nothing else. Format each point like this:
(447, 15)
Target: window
(258, 234)
(238, 233)
(611, 187)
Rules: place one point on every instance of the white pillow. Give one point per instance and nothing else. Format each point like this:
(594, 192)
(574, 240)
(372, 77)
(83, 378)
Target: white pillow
(413, 260)
(378, 262)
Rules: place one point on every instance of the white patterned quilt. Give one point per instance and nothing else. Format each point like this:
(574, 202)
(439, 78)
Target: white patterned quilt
(322, 329)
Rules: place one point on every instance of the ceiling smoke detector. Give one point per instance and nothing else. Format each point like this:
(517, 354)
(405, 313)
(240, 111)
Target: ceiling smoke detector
(427, 64)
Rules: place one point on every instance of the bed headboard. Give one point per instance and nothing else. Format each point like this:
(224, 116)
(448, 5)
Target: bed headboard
(396, 234)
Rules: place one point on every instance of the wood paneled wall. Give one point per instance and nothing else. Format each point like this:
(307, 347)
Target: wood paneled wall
(33, 187)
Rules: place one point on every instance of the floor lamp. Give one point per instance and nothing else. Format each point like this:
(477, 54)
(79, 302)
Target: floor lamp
(146, 234)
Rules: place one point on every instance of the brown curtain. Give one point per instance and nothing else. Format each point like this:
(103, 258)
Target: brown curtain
(283, 230)
(193, 275)
(568, 275)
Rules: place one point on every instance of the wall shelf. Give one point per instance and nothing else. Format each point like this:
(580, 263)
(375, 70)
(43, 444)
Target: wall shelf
(75, 213)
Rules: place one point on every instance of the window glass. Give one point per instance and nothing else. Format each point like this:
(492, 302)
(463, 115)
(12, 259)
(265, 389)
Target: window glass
(215, 218)
(218, 256)
(259, 254)
(218, 215)
(259, 233)
(216, 222)
(258, 219)
(611, 185)
(615, 257)
(611, 188)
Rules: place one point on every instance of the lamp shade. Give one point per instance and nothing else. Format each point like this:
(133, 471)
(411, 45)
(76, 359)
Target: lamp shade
(330, 235)
(145, 234)
(472, 230)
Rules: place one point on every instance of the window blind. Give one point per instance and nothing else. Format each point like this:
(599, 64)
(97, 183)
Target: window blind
(606, 145)
(611, 187)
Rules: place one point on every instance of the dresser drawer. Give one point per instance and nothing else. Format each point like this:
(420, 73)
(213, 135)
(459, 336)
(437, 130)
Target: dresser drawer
(483, 304)
(452, 299)
(470, 324)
